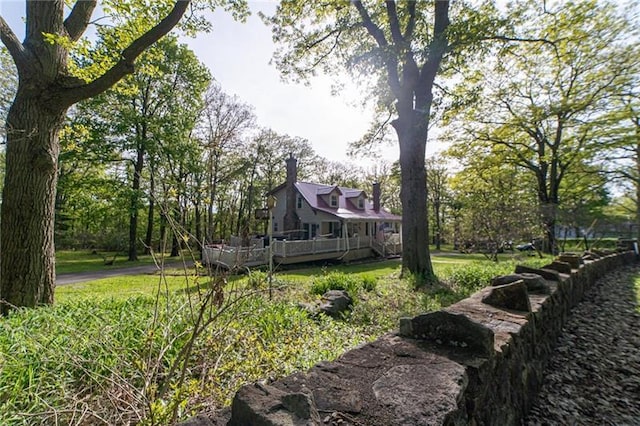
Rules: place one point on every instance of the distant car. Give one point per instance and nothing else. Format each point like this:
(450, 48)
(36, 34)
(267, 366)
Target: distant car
(526, 247)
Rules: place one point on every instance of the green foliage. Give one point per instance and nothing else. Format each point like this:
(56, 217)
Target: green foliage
(96, 349)
(368, 282)
(258, 280)
(577, 244)
(491, 202)
(550, 101)
(143, 125)
(469, 278)
(114, 350)
(351, 283)
(334, 281)
(472, 277)
(8, 84)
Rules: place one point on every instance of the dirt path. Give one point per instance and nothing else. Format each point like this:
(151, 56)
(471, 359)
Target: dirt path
(79, 277)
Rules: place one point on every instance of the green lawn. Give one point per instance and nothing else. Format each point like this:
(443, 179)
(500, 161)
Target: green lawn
(72, 261)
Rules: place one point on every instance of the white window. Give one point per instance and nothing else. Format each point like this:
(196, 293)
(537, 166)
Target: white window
(361, 203)
(333, 201)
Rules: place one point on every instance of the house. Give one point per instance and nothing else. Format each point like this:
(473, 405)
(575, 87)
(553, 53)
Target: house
(311, 221)
(309, 211)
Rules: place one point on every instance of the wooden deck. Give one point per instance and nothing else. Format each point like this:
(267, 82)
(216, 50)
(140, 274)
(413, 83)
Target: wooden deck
(290, 252)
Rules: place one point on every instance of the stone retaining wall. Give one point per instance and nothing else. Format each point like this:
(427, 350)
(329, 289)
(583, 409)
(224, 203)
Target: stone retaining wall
(479, 361)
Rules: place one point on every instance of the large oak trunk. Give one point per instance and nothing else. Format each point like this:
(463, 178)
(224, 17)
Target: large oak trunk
(412, 139)
(27, 269)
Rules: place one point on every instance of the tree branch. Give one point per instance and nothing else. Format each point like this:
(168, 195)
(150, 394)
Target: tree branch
(368, 24)
(15, 48)
(79, 18)
(126, 64)
(438, 45)
(411, 25)
(390, 59)
(394, 25)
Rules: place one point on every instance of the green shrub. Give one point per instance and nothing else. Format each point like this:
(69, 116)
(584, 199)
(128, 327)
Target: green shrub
(440, 298)
(335, 281)
(117, 355)
(469, 278)
(369, 283)
(351, 283)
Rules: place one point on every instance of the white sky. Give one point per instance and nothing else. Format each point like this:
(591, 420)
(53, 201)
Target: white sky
(238, 56)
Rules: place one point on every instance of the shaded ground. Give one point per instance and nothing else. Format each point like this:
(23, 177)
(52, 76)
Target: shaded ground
(593, 377)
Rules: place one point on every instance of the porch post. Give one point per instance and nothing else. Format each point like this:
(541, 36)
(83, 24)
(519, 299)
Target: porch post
(345, 234)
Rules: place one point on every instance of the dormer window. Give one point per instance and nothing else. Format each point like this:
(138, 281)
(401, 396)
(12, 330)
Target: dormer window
(333, 200)
(361, 203)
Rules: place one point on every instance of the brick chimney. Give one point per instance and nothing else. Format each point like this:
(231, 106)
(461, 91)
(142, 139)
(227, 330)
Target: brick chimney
(292, 170)
(291, 217)
(376, 196)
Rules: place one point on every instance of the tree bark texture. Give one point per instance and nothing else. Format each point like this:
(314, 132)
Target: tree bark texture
(413, 195)
(27, 268)
(549, 218)
(636, 181)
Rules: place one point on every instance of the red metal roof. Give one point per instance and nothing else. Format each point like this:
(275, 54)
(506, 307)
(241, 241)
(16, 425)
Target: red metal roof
(346, 209)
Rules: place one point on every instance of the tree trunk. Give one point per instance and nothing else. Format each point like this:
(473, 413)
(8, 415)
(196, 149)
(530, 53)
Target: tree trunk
(438, 232)
(28, 203)
(135, 204)
(197, 223)
(549, 213)
(213, 188)
(412, 89)
(637, 183)
(148, 239)
(177, 230)
(218, 225)
(163, 233)
(412, 138)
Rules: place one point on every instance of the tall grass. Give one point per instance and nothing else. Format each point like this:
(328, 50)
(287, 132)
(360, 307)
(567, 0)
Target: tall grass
(112, 361)
(151, 350)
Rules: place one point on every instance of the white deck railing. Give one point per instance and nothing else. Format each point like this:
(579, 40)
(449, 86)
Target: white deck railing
(233, 257)
(321, 245)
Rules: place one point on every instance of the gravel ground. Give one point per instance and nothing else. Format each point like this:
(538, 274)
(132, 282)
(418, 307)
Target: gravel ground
(594, 376)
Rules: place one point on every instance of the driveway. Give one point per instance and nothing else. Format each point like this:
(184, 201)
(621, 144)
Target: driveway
(79, 277)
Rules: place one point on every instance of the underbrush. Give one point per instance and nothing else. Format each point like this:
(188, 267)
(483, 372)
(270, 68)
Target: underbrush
(154, 359)
(122, 361)
(352, 283)
(471, 277)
